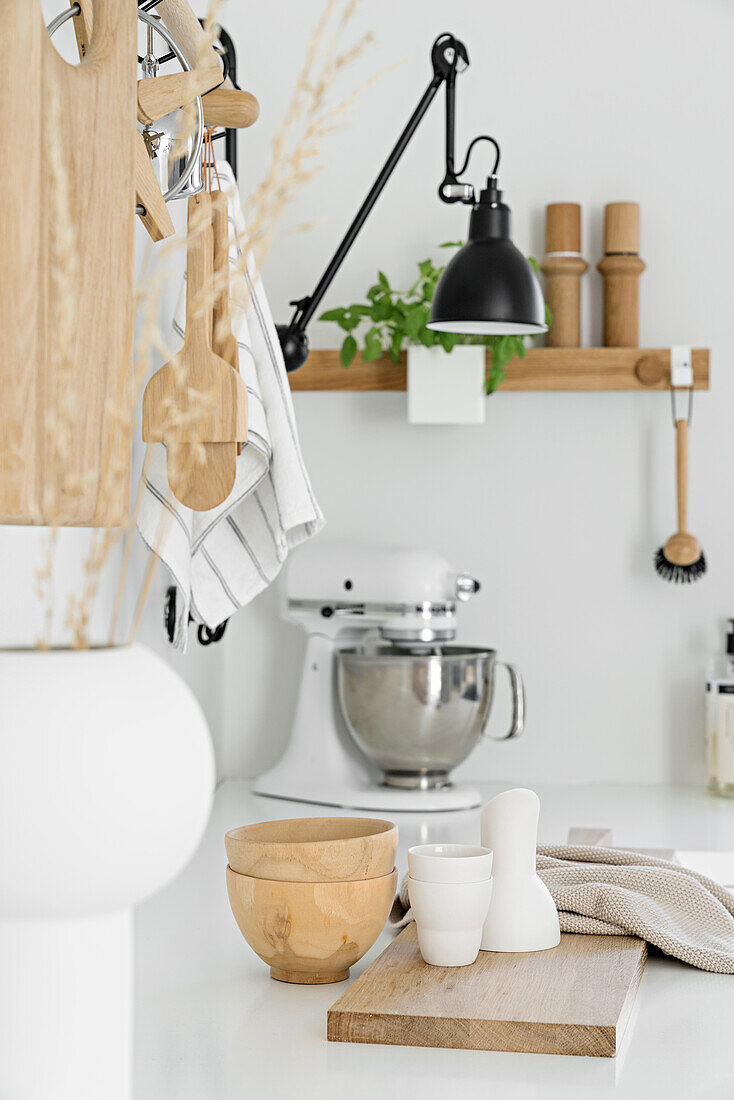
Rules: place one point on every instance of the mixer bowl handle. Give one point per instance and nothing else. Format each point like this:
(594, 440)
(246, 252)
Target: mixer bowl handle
(518, 704)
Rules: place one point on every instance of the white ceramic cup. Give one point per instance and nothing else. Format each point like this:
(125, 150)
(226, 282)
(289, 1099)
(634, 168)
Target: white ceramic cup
(449, 917)
(450, 863)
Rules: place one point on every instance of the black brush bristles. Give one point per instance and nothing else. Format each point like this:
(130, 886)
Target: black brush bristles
(679, 574)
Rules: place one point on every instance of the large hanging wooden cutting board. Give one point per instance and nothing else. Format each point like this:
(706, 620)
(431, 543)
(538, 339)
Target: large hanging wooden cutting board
(575, 999)
(67, 218)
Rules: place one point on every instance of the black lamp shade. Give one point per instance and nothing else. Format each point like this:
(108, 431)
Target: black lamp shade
(488, 288)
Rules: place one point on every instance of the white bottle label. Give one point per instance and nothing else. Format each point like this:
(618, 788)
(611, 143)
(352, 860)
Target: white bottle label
(712, 701)
(725, 735)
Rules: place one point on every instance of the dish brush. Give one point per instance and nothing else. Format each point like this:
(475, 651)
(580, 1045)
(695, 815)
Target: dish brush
(681, 559)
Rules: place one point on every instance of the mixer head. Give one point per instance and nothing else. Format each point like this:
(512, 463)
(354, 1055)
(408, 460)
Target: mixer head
(409, 595)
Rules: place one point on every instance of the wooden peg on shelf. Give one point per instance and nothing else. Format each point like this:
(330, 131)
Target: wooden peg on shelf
(159, 95)
(621, 268)
(563, 267)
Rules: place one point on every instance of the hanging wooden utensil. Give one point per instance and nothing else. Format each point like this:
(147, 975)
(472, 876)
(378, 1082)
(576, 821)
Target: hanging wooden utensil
(681, 560)
(67, 277)
(196, 404)
(224, 340)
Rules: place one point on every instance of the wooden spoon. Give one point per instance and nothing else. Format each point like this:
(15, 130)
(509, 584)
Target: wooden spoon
(197, 399)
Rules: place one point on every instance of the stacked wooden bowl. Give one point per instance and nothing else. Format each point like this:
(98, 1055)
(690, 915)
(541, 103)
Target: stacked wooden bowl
(311, 895)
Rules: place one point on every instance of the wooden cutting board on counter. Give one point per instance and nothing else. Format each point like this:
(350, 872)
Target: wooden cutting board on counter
(575, 999)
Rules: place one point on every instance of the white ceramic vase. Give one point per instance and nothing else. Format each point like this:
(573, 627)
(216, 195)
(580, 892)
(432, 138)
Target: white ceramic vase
(106, 781)
(522, 916)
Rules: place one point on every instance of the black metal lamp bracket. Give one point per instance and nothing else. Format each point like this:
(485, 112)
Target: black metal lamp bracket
(448, 58)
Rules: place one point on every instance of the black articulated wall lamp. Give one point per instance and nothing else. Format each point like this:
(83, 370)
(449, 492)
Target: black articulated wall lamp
(488, 288)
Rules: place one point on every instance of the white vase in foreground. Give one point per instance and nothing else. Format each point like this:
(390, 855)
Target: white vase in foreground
(106, 781)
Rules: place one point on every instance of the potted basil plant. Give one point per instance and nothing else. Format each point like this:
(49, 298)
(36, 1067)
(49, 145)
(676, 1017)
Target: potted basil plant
(391, 320)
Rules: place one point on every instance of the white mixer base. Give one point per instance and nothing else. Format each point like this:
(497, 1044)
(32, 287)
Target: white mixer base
(387, 799)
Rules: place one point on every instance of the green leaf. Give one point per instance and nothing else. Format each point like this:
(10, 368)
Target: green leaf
(383, 280)
(381, 310)
(332, 315)
(349, 350)
(396, 346)
(415, 320)
(448, 340)
(372, 345)
(425, 267)
(534, 264)
(495, 378)
(452, 244)
(428, 337)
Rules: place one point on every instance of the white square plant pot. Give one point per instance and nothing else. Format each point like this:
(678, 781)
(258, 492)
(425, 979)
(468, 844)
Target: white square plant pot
(446, 387)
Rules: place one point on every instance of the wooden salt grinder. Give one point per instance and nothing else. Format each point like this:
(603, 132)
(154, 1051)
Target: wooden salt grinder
(621, 268)
(563, 267)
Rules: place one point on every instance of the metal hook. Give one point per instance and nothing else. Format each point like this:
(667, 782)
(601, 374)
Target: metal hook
(681, 379)
(673, 403)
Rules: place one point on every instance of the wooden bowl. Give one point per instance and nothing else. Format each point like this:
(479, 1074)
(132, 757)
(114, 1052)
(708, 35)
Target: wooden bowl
(310, 933)
(314, 849)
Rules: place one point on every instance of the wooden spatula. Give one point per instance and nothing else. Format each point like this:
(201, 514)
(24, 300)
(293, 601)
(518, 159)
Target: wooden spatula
(197, 404)
(224, 341)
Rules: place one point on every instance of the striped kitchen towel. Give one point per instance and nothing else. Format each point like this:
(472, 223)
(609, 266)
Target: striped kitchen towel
(221, 559)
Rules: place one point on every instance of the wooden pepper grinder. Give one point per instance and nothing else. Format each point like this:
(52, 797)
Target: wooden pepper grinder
(563, 267)
(621, 268)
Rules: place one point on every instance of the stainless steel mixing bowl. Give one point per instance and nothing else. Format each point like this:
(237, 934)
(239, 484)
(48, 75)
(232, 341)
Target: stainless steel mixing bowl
(417, 716)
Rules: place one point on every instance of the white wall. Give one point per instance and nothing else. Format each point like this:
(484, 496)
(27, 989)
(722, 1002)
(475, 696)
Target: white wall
(559, 502)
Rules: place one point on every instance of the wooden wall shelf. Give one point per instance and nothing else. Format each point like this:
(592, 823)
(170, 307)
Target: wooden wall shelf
(568, 369)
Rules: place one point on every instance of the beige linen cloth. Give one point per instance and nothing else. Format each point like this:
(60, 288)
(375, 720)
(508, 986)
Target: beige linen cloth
(612, 892)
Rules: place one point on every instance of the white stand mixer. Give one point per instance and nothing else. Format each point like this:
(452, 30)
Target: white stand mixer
(344, 596)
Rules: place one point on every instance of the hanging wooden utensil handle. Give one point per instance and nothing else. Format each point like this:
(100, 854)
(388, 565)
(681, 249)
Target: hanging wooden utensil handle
(681, 433)
(199, 272)
(224, 341)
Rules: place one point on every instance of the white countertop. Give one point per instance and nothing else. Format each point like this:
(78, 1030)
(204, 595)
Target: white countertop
(212, 1025)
